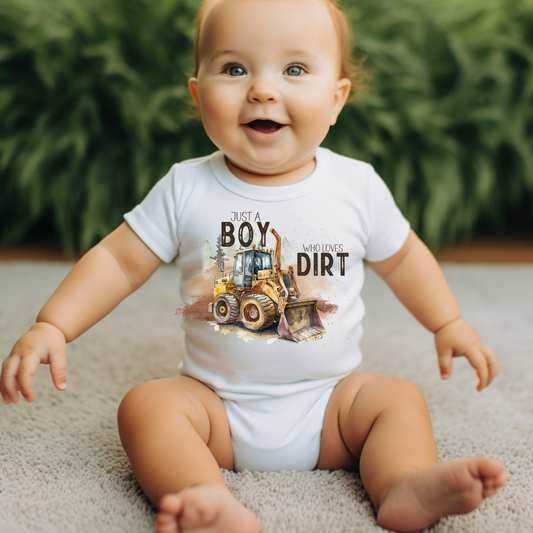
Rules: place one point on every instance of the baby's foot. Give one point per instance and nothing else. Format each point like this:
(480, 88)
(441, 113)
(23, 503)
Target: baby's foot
(204, 508)
(432, 492)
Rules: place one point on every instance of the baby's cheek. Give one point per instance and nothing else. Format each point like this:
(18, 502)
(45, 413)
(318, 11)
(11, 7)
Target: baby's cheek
(215, 118)
(311, 106)
(212, 111)
(217, 101)
(313, 117)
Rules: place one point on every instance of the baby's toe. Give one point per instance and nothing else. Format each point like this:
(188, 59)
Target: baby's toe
(491, 485)
(166, 523)
(489, 468)
(501, 480)
(170, 503)
(489, 492)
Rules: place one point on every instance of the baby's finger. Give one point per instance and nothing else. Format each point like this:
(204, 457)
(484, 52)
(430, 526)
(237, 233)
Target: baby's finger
(492, 362)
(9, 381)
(58, 369)
(5, 396)
(478, 361)
(26, 371)
(445, 363)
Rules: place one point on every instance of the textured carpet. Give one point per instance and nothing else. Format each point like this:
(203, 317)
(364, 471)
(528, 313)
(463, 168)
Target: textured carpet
(62, 468)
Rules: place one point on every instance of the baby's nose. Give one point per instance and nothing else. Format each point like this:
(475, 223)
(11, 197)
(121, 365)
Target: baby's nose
(262, 91)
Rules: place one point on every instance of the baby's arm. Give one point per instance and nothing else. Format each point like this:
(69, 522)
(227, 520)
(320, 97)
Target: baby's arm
(103, 277)
(415, 277)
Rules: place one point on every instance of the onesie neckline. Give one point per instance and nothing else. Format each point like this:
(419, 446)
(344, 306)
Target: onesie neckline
(269, 194)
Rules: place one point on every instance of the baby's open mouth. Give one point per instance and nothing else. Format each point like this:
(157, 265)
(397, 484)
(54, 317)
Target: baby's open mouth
(265, 126)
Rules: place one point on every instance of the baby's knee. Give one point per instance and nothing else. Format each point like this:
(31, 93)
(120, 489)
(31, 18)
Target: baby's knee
(133, 404)
(386, 392)
(403, 390)
(145, 401)
(173, 399)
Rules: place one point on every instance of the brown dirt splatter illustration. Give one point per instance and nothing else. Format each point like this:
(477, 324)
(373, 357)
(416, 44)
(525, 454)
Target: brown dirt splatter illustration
(326, 308)
(198, 308)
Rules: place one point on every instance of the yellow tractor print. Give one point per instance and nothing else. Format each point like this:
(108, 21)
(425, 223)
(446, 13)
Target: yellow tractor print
(258, 293)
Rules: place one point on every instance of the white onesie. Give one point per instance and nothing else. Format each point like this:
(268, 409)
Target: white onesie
(275, 390)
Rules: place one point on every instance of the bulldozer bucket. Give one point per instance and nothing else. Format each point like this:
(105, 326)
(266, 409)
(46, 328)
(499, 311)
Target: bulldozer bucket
(300, 322)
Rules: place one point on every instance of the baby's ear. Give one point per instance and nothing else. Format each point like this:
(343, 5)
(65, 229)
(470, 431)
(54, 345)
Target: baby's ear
(342, 91)
(193, 89)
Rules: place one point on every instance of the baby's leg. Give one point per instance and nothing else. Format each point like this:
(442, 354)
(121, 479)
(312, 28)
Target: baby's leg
(176, 434)
(382, 424)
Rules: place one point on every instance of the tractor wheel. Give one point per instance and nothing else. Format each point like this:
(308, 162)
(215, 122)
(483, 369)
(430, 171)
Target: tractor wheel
(226, 309)
(257, 312)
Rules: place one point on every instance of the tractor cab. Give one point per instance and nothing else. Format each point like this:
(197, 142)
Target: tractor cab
(248, 263)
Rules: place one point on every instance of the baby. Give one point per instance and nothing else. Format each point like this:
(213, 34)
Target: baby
(271, 78)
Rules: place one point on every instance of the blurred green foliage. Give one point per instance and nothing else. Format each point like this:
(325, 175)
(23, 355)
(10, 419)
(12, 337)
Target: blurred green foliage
(94, 110)
(449, 119)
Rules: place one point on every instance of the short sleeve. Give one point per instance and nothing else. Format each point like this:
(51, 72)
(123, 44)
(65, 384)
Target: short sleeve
(154, 220)
(388, 228)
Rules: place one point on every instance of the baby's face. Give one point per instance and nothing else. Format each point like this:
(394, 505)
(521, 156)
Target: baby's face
(268, 81)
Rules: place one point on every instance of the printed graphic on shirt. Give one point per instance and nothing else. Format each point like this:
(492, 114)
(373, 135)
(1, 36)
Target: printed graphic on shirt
(259, 282)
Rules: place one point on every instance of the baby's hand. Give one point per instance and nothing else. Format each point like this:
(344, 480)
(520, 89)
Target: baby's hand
(457, 339)
(43, 343)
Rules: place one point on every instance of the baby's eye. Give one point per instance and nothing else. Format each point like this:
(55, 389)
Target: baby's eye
(234, 70)
(295, 70)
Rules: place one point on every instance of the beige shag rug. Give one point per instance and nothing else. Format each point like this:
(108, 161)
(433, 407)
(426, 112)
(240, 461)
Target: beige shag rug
(62, 468)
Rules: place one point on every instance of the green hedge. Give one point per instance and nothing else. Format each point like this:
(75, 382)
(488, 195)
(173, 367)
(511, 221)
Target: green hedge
(93, 111)
(449, 122)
